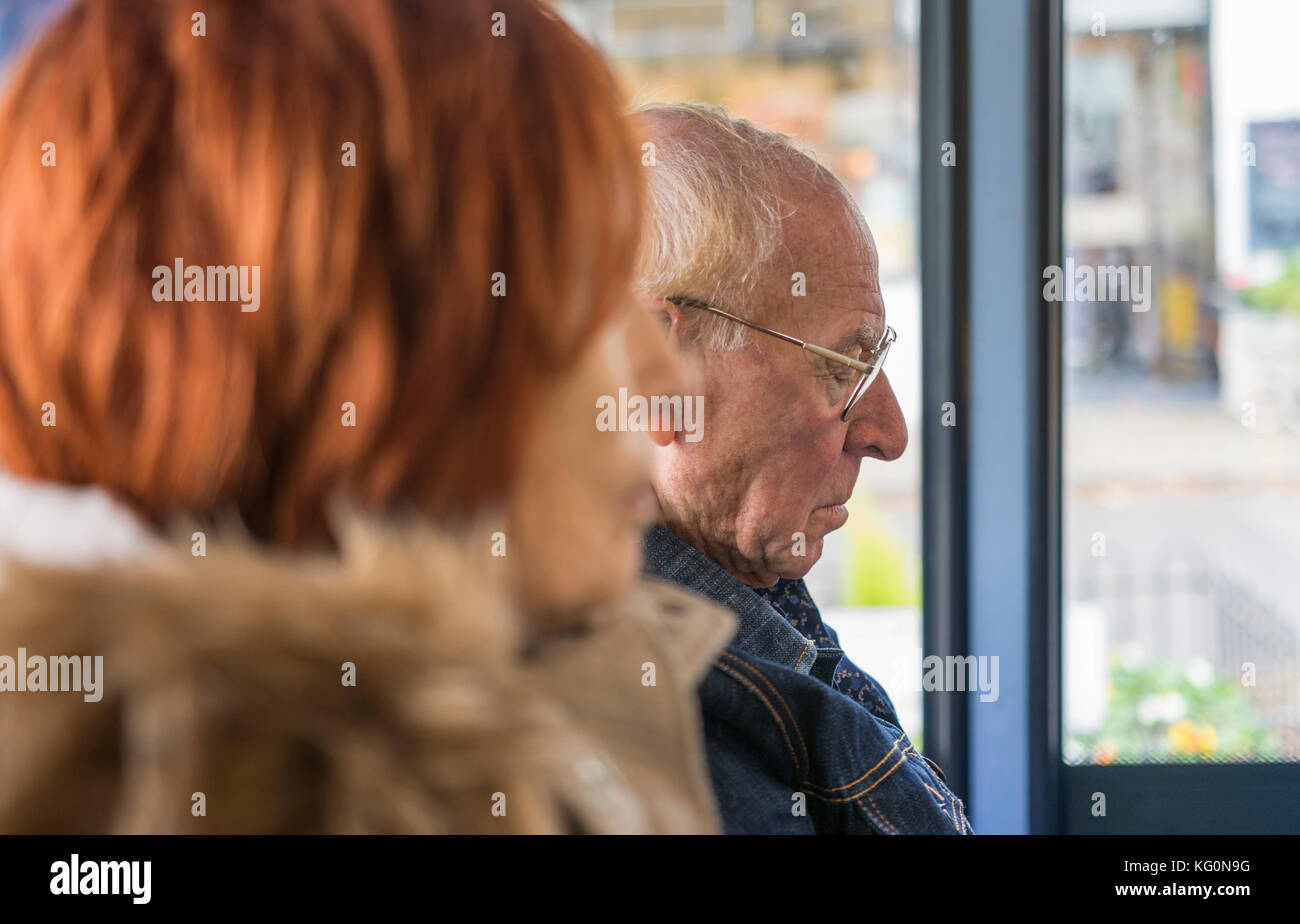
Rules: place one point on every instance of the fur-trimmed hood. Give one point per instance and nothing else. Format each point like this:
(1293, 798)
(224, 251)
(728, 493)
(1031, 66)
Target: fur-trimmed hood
(383, 690)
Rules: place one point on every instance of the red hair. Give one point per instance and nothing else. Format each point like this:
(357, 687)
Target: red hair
(476, 153)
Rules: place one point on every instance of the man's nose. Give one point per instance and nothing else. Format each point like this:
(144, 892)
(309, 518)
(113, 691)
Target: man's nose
(876, 425)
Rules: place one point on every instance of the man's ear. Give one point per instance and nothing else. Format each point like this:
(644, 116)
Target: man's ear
(661, 433)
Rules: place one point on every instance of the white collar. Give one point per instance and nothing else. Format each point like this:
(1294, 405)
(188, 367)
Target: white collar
(52, 524)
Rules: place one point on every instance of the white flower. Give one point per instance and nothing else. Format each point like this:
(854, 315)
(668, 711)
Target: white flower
(1200, 673)
(1163, 707)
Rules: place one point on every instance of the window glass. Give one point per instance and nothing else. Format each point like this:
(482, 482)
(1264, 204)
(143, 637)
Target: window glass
(1181, 316)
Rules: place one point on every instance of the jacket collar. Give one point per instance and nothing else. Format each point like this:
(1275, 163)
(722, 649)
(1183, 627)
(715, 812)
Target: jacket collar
(454, 712)
(764, 633)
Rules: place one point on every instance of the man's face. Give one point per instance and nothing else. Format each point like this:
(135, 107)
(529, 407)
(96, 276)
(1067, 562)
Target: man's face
(775, 462)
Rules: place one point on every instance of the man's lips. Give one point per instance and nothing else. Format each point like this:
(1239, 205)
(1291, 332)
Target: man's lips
(838, 512)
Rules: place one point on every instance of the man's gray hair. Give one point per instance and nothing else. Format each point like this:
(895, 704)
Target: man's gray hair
(714, 213)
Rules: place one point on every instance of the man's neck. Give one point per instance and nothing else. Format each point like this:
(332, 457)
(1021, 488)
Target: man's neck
(722, 555)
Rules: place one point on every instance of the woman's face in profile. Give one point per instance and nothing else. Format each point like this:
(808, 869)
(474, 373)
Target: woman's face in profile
(583, 496)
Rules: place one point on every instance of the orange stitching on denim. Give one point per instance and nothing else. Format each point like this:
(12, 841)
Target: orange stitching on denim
(911, 751)
(883, 820)
(965, 824)
(759, 675)
(755, 672)
(806, 646)
(903, 755)
(871, 816)
(798, 772)
(935, 793)
(901, 761)
(874, 811)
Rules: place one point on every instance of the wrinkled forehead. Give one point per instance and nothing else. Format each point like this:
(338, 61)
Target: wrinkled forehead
(826, 240)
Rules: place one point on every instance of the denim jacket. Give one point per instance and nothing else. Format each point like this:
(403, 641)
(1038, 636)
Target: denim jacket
(788, 753)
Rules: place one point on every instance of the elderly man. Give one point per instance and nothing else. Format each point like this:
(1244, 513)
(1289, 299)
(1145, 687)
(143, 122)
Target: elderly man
(765, 276)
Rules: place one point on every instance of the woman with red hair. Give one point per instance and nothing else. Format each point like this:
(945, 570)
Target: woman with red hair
(348, 278)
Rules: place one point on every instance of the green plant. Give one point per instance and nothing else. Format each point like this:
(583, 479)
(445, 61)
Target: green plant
(1282, 295)
(1169, 713)
(879, 572)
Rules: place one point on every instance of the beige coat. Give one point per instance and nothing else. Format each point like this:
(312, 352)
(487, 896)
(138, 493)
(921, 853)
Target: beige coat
(224, 706)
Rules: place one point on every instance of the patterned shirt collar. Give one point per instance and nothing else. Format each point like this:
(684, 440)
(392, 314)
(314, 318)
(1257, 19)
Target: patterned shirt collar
(763, 633)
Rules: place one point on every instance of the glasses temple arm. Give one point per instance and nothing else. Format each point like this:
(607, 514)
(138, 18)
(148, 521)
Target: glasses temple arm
(810, 347)
(837, 357)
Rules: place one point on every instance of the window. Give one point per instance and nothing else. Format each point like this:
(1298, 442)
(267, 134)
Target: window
(1181, 320)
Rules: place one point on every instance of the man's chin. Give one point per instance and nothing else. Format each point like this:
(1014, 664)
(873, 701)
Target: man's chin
(790, 560)
(790, 566)
(798, 560)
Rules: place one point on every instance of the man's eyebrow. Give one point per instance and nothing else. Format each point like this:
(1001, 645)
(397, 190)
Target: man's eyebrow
(866, 336)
